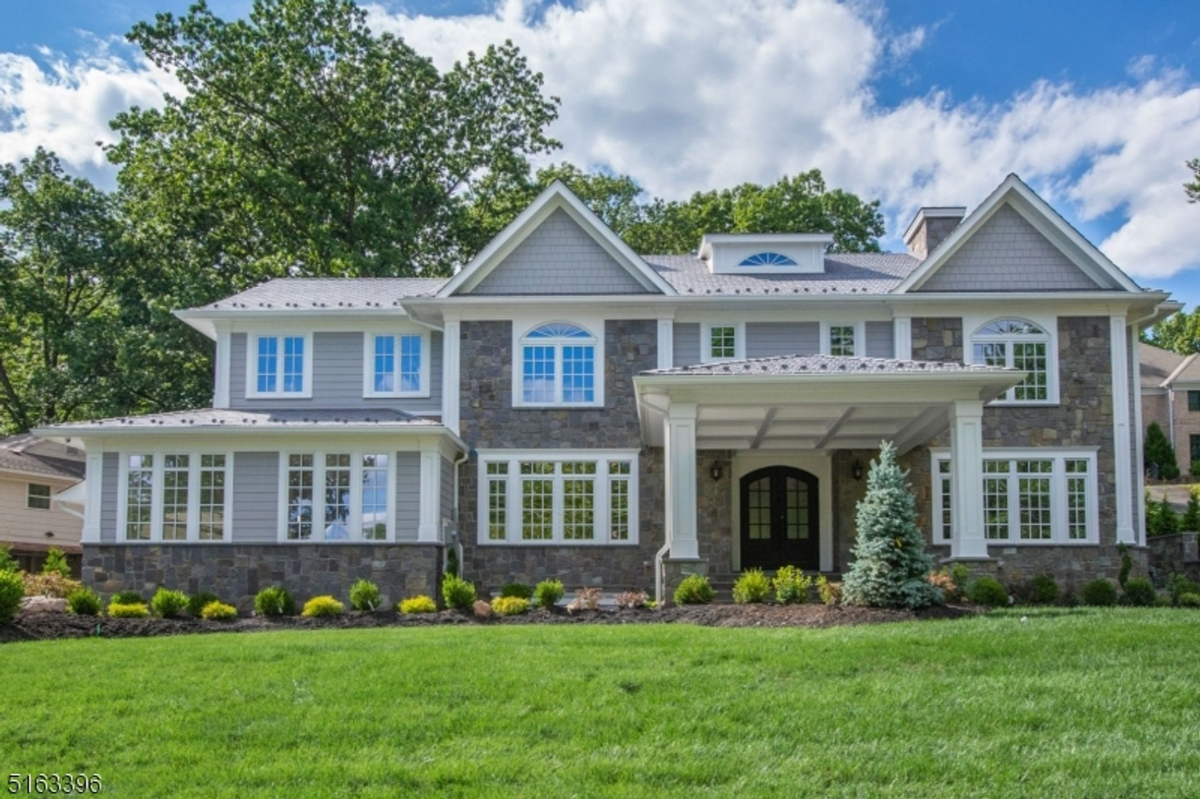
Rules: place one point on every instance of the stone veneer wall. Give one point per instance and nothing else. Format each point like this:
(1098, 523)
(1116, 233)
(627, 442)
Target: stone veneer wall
(1175, 554)
(489, 421)
(236, 572)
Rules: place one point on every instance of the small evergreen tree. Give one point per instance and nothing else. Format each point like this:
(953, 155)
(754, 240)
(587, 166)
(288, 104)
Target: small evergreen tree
(56, 563)
(890, 563)
(1168, 519)
(1159, 451)
(1191, 516)
(7, 562)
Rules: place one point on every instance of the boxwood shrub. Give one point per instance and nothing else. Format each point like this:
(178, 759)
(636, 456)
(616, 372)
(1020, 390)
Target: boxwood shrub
(1140, 592)
(274, 601)
(693, 590)
(1043, 590)
(548, 593)
(457, 592)
(84, 602)
(169, 604)
(751, 587)
(364, 595)
(12, 591)
(198, 602)
(987, 591)
(1100, 593)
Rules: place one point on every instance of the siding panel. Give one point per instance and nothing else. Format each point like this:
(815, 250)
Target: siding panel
(686, 347)
(21, 524)
(880, 340)
(408, 495)
(108, 502)
(255, 497)
(768, 339)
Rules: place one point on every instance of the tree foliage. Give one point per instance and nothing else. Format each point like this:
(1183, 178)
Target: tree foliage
(1158, 450)
(1179, 333)
(1192, 187)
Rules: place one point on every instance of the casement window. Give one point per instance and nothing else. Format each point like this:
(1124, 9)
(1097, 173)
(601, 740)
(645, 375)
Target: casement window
(396, 365)
(843, 339)
(560, 364)
(174, 496)
(37, 497)
(1029, 497)
(279, 366)
(1018, 344)
(1194, 401)
(722, 341)
(554, 497)
(337, 496)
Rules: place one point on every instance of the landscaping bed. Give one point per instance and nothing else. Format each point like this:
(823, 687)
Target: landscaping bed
(42, 626)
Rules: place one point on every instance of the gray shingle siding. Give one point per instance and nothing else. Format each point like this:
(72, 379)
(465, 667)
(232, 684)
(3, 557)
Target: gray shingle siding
(408, 495)
(686, 346)
(1008, 254)
(880, 340)
(255, 498)
(337, 378)
(559, 257)
(767, 339)
(109, 486)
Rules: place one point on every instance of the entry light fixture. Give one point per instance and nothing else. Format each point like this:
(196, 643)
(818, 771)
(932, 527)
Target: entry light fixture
(714, 471)
(856, 471)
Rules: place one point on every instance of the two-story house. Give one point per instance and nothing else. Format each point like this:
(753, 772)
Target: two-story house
(565, 407)
(1171, 399)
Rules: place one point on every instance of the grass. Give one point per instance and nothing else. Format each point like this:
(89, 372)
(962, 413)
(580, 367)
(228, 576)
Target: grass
(1096, 703)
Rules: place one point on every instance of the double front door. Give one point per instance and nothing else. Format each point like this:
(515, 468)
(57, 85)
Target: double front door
(779, 519)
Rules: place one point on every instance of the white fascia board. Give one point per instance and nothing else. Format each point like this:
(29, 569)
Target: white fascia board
(709, 239)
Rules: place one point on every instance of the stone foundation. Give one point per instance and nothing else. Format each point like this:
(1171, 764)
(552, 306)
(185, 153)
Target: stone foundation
(1174, 554)
(1072, 567)
(675, 569)
(239, 571)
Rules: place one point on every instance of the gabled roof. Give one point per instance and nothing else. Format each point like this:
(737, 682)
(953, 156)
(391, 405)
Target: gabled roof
(556, 196)
(20, 454)
(1013, 191)
(1161, 368)
(845, 273)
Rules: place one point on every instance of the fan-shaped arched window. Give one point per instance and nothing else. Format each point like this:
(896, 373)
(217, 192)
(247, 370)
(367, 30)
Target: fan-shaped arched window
(768, 259)
(1018, 344)
(558, 365)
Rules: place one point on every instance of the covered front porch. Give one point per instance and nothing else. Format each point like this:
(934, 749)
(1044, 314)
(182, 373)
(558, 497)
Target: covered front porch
(765, 458)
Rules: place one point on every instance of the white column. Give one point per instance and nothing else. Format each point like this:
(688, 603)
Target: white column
(666, 343)
(221, 367)
(902, 337)
(1122, 442)
(94, 479)
(429, 518)
(1138, 432)
(966, 464)
(680, 455)
(451, 391)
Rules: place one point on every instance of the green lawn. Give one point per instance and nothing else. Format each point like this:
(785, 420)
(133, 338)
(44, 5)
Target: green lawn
(1068, 703)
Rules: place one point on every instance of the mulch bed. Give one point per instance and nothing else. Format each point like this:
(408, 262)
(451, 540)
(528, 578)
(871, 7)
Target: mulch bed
(43, 626)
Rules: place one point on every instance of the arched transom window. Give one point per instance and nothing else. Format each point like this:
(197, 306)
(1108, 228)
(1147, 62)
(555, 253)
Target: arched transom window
(768, 259)
(558, 365)
(1019, 344)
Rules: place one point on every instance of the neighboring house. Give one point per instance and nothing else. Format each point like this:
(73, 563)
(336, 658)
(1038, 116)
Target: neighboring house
(35, 513)
(1171, 397)
(565, 407)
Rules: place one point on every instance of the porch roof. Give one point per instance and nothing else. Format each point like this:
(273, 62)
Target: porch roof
(815, 402)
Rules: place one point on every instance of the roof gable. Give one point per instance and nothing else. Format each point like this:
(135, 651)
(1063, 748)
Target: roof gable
(571, 226)
(1014, 241)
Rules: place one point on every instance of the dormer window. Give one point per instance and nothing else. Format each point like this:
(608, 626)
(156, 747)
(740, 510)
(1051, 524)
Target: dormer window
(558, 366)
(280, 366)
(767, 259)
(765, 253)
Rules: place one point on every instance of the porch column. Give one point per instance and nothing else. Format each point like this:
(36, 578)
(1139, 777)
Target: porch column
(679, 440)
(966, 464)
(1122, 440)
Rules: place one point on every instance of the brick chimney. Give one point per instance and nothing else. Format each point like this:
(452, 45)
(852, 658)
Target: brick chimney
(930, 227)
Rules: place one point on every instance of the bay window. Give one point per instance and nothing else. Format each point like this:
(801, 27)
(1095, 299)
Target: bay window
(553, 497)
(173, 496)
(396, 365)
(337, 496)
(279, 366)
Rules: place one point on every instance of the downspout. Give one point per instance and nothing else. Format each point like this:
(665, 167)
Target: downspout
(455, 537)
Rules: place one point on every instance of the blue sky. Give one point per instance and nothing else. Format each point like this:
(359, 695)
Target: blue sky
(959, 79)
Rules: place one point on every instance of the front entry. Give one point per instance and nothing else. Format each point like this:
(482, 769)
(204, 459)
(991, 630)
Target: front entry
(779, 519)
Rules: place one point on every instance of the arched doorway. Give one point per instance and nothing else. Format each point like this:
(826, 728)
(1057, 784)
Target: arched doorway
(779, 524)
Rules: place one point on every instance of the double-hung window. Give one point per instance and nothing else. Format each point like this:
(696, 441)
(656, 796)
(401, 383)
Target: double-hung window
(1018, 344)
(1193, 401)
(553, 497)
(37, 496)
(396, 365)
(722, 341)
(560, 364)
(174, 496)
(279, 366)
(1028, 496)
(337, 496)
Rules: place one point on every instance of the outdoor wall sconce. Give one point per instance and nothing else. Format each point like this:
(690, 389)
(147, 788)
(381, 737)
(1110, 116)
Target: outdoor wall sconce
(714, 471)
(856, 471)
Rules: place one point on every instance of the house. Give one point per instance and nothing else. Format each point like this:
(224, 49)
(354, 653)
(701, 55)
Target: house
(565, 407)
(1171, 398)
(38, 509)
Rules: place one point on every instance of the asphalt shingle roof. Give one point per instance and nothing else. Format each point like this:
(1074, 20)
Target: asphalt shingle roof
(845, 273)
(213, 417)
(1158, 364)
(15, 456)
(824, 364)
(294, 293)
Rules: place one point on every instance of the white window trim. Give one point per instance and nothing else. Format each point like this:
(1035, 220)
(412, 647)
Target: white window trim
(318, 469)
(860, 336)
(518, 360)
(49, 497)
(1059, 531)
(156, 495)
(601, 457)
(739, 341)
(1048, 323)
(252, 391)
(369, 364)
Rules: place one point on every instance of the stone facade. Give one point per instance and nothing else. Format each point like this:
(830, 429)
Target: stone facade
(239, 571)
(1175, 554)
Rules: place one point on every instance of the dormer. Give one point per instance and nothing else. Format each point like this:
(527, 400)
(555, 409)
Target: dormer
(765, 253)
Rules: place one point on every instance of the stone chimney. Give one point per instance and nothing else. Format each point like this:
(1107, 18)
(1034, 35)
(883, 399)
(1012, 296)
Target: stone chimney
(930, 227)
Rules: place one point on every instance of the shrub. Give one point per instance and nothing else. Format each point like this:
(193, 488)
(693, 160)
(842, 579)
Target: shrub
(1195, 469)
(1140, 592)
(1188, 600)
(944, 582)
(364, 595)
(169, 604)
(127, 598)
(1126, 564)
(56, 563)
(632, 599)
(1191, 516)
(1178, 585)
(133, 610)
(198, 602)
(751, 587)
(585, 599)
(693, 590)
(510, 606)
(548, 593)
(52, 584)
(987, 591)
(1161, 519)
(274, 601)
(418, 604)
(516, 589)
(791, 585)
(7, 562)
(218, 611)
(829, 591)
(890, 561)
(12, 591)
(84, 602)
(1101, 593)
(457, 592)
(322, 606)
(1158, 450)
(1043, 590)
(452, 561)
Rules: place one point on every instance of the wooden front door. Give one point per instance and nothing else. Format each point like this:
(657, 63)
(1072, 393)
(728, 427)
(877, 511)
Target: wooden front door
(779, 519)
